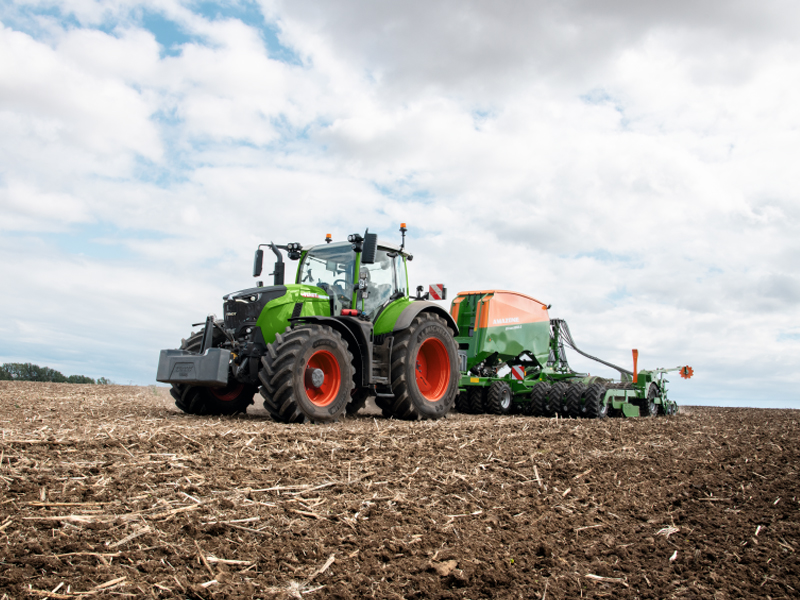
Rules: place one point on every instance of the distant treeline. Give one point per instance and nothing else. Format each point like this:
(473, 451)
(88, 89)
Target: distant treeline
(30, 372)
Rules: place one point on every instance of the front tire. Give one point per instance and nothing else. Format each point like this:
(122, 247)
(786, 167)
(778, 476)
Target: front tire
(307, 375)
(424, 371)
(200, 400)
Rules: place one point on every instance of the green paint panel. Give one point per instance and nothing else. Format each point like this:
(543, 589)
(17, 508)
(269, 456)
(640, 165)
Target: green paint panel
(508, 340)
(518, 387)
(387, 319)
(630, 410)
(275, 316)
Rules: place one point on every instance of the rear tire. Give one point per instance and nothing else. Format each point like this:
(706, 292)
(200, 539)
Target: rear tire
(555, 399)
(307, 375)
(475, 397)
(462, 404)
(572, 400)
(425, 373)
(538, 399)
(499, 399)
(232, 399)
(594, 403)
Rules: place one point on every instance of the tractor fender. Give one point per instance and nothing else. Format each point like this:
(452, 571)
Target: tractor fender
(415, 308)
(358, 336)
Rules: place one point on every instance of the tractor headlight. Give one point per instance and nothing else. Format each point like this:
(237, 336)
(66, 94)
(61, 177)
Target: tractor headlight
(295, 250)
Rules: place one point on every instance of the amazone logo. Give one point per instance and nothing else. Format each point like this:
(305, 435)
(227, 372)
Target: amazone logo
(504, 321)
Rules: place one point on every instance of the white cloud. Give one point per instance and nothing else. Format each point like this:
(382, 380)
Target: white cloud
(29, 209)
(68, 104)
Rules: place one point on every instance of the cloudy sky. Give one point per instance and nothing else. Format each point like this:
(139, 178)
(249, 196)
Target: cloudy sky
(629, 163)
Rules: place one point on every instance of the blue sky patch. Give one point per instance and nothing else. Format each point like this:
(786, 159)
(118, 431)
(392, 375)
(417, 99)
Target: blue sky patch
(597, 96)
(481, 117)
(169, 35)
(100, 241)
(403, 189)
(605, 256)
(27, 18)
(250, 14)
(788, 336)
(618, 295)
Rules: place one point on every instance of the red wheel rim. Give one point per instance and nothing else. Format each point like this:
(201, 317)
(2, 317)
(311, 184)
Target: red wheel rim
(227, 393)
(327, 392)
(432, 369)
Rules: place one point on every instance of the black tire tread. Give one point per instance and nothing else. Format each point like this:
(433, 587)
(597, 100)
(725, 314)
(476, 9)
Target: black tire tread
(402, 406)
(573, 400)
(475, 400)
(538, 399)
(647, 406)
(494, 398)
(461, 404)
(276, 375)
(594, 408)
(358, 401)
(555, 399)
(199, 400)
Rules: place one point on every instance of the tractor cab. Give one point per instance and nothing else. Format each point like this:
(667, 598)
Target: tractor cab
(365, 280)
(332, 269)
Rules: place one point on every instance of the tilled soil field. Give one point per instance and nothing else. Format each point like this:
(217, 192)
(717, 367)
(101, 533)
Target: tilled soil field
(109, 491)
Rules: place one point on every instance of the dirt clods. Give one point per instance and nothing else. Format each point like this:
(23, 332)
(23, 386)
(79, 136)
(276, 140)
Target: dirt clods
(110, 491)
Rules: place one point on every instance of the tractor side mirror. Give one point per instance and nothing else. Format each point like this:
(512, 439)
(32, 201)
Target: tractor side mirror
(258, 265)
(370, 248)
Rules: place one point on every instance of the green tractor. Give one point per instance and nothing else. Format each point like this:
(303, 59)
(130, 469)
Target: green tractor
(346, 330)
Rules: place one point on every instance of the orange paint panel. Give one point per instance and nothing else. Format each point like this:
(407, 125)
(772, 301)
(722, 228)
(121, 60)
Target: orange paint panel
(455, 306)
(483, 313)
(501, 308)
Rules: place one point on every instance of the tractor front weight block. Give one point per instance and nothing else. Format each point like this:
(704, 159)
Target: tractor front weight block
(209, 369)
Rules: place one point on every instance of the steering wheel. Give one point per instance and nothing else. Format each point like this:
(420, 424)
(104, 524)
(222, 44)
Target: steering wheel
(326, 286)
(338, 288)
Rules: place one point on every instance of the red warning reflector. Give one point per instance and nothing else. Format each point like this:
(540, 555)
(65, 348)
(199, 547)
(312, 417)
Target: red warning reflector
(437, 291)
(518, 372)
(349, 312)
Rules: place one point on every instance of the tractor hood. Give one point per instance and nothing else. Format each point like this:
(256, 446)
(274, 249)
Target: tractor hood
(273, 291)
(245, 306)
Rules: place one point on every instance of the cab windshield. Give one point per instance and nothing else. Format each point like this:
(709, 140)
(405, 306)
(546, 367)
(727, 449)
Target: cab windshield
(331, 268)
